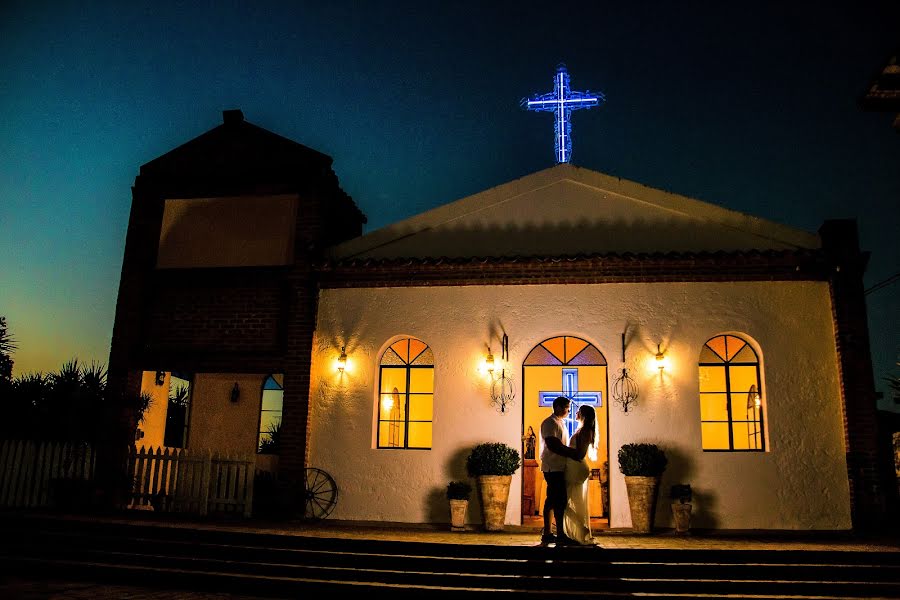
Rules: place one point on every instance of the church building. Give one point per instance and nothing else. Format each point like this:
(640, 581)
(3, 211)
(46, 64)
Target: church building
(264, 322)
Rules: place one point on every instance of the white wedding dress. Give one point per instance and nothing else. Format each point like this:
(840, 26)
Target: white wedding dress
(577, 518)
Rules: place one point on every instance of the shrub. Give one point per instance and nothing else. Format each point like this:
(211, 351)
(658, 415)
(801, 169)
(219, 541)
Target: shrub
(492, 458)
(459, 490)
(681, 492)
(646, 460)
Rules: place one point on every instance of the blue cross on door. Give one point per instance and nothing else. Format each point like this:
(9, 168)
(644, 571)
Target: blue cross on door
(578, 397)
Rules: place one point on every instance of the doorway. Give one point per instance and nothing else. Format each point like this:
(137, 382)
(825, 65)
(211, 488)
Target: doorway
(572, 367)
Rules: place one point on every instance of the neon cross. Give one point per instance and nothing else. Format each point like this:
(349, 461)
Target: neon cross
(562, 101)
(571, 391)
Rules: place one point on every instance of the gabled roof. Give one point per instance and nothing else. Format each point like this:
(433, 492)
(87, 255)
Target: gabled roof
(236, 148)
(568, 211)
(238, 158)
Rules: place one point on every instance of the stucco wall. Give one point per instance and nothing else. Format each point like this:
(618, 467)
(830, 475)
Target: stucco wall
(217, 423)
(154, 423)
(799, 483)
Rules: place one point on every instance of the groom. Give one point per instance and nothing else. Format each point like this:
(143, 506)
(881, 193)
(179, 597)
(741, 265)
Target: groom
(555, 442)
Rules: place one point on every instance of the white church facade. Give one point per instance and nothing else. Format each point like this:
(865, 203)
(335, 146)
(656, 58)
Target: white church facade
(246, 279)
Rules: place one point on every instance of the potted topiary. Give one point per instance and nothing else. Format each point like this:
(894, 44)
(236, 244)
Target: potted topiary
(492, 464)
(642, 465)
(681, 496)
(458, 493)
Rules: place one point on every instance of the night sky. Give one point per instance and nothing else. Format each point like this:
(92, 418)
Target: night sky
(751, 107)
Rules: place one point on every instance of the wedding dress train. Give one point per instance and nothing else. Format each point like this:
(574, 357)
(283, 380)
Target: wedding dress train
(577, 518)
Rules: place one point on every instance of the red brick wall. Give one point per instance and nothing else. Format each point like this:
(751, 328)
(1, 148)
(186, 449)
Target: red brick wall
(220, 318)
(867, 492)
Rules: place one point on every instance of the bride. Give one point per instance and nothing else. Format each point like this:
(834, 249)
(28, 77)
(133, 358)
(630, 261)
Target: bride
(577, 519)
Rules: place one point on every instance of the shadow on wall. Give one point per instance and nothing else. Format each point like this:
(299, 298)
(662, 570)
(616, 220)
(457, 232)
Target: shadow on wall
(705, 509)
(681, 469)
(437, 507)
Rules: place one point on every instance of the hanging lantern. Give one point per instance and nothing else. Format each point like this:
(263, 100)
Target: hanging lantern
(502, 393)
(625, 391)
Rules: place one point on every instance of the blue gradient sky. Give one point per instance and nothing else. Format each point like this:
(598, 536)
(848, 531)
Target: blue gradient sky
(752, 107)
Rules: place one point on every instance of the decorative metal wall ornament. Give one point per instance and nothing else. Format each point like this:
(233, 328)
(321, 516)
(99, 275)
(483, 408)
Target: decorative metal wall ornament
(625, 389)
(502, 393)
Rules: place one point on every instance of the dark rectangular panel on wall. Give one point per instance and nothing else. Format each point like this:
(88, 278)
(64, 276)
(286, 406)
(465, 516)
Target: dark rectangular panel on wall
(227, 232)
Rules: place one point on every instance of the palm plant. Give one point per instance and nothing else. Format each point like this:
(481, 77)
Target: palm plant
(270, 443)
(176, 418)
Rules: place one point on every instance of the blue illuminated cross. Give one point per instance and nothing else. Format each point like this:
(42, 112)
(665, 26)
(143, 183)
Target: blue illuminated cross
(562, 101)
(570, 390)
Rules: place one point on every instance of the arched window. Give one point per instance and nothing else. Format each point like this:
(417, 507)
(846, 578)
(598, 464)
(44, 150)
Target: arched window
(731, 411)
(406, 395)
(269, 441)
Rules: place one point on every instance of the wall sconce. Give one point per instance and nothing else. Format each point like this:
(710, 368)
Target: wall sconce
(235, 392)
(342, 361)
(160, 377)
(489, 364)
(661, 362)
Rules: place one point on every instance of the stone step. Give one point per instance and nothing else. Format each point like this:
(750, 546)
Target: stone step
(298, 587)
(265, 564)
(538, 561)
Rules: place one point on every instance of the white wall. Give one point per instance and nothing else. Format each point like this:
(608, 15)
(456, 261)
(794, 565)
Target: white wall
(799, 483)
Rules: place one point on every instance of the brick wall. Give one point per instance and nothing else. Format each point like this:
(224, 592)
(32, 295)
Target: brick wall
(847, 264)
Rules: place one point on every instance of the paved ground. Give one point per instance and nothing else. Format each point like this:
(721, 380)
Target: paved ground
(24, 589)
(513, 535)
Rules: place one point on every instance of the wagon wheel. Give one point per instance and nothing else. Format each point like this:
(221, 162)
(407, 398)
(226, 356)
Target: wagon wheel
(320, 494)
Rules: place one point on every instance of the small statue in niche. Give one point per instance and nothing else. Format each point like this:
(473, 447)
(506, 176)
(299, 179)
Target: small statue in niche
(530, 440)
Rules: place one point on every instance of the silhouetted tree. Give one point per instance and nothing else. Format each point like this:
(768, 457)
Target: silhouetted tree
(71, 405)
(7, 345)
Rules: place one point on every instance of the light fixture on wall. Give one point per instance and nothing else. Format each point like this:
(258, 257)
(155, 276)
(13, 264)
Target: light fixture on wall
(342, 360)
(235, 392)
(661, 361)
(160, 377)
(502, 392)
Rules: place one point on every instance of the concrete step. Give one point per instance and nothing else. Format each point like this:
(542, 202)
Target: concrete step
(286, 565)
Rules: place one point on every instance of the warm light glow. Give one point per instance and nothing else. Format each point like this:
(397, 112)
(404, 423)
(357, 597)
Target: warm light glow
(342, 360)
(489, 363)
(661, 361)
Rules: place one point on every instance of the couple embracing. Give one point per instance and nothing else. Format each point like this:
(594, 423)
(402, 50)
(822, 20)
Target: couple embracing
(566, 471)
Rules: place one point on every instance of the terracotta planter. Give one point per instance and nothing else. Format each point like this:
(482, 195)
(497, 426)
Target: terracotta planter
(682, 513)
(458, 510)
(642, 493)
(494, 492)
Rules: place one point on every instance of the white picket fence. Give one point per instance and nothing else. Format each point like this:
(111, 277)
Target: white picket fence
(168, 479)
(177, 480)
(29, 471)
